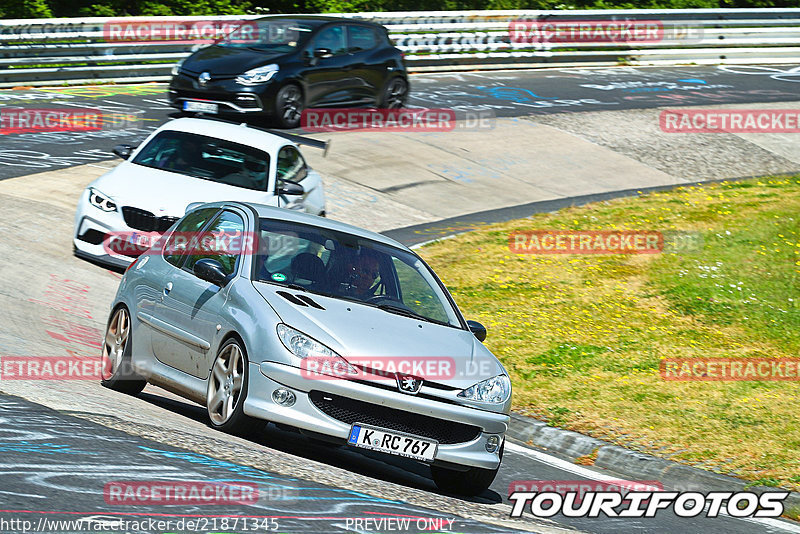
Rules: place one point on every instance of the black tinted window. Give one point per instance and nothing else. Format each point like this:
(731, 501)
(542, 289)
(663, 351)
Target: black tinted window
(361, 38)
(207, 158)
(332, 38)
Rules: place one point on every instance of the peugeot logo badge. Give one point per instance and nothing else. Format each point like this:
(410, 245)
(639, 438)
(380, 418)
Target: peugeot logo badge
(204, 78)
(408, 384)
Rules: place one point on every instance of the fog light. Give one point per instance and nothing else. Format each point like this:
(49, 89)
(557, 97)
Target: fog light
(284, 397)
(492, 443)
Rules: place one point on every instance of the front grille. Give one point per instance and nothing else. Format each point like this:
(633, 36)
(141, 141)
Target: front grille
(354, 411)
(146, 221)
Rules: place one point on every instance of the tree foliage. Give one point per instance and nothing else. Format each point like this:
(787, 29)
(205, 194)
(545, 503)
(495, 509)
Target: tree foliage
(14, 9)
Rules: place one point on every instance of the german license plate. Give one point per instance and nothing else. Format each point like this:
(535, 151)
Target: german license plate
(202, 107)
(389, 441)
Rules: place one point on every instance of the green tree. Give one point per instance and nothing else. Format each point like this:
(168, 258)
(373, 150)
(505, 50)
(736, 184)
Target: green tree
(24, 9)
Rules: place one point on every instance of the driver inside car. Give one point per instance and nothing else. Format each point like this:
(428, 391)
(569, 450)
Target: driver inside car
(361, 276)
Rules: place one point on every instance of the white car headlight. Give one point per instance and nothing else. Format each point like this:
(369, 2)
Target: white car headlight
(307, 348)
(101, 201)
(258, 75)
(495, 390)
(176, 69)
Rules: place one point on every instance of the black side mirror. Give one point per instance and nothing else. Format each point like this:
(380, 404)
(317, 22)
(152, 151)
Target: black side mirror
(290, 188)
(321, 53)
(211, 271)
(123, 151)
(478, 329)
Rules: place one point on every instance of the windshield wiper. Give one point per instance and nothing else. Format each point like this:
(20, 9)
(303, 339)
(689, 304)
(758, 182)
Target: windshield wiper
(399, 310)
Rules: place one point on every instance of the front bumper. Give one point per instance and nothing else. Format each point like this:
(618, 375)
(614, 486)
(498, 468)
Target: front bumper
(304, 414)
(231, 97)
(94, 228)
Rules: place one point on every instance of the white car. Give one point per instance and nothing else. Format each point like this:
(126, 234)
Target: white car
(184, 163)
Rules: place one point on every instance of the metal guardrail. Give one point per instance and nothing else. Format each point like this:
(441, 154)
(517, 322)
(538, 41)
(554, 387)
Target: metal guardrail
(47, 51)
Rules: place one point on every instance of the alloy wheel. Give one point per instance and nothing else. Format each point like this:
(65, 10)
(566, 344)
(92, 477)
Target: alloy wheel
(115, 342)
(291, 105)
(396, 94)
(225, 384)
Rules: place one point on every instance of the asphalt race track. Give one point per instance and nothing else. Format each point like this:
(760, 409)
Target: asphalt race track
(138, 109)
(61, 443)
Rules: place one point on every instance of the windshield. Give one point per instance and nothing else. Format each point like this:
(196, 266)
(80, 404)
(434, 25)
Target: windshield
(344, 266)
(208, 158)
(275, 35)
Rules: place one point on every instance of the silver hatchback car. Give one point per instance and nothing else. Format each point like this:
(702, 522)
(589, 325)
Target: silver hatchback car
(267, 314)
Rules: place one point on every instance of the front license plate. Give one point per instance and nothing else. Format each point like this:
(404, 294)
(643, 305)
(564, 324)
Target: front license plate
(389, 441)
(202, 107)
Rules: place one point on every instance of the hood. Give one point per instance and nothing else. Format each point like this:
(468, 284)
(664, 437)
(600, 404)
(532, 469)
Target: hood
(227, 60)
(364, 334)
(167, 193)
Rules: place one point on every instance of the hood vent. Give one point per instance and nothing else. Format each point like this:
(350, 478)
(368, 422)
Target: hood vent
(311, 302)
(291, 298)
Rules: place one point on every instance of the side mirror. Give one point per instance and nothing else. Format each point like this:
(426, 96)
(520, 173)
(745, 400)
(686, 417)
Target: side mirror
(123, 151)
(478, 329)
(211, 271)
(290, 188)
(321, 53)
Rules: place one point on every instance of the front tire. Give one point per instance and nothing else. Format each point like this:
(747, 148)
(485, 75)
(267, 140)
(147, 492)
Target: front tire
(117, 373)
(289, 106)
(227, 390)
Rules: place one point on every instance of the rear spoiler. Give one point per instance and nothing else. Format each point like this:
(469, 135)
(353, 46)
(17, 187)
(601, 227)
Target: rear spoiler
(294, 138)
(299, 139)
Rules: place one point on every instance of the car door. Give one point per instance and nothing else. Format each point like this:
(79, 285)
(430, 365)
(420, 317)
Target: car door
(193, 307)
(329, 79)
(164, 342)
(367, 67)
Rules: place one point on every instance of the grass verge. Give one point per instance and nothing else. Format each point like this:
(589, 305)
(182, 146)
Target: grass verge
(582, 336)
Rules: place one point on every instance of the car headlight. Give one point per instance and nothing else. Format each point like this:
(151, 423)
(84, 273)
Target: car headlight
(495, 390)
(176, 69)
(257, 75)
(307, 348)
(101, 201)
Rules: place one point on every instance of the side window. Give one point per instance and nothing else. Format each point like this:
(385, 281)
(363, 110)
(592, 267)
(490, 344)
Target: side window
(291, 165)
(360, 38)
(332, 38)
(175, 248)
(223, 241)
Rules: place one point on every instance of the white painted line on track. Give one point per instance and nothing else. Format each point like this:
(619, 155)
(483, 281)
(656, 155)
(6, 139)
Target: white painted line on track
(600, 477)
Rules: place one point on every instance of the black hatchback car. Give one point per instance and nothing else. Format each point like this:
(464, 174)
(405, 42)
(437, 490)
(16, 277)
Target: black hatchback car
(277, 66)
